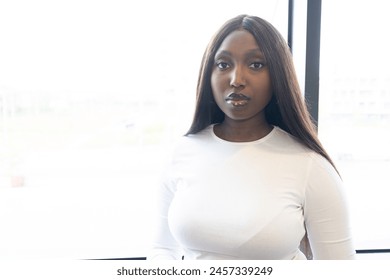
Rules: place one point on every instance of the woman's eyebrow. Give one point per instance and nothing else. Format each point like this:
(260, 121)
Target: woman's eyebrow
(223, 53)
(255, 52)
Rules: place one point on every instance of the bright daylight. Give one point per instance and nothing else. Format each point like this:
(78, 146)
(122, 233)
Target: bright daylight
(94, 95)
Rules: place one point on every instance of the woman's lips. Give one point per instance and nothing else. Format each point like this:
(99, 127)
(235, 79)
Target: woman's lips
(237, 99)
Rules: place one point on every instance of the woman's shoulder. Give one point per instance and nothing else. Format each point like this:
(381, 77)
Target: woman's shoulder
(202, 136)
(290, 144)
(191, 142)
(206, 132)
(287, 143)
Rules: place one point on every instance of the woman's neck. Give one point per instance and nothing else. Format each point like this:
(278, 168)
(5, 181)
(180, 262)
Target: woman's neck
(236, 131)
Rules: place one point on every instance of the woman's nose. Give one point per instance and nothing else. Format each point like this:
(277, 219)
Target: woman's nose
(237, 77)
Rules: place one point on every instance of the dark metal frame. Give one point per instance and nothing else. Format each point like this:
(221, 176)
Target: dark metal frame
(290, 23)
(313, 36)
(312, 75)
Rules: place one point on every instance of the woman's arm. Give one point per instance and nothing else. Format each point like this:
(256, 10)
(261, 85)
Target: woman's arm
(164, 246)
(326, 213)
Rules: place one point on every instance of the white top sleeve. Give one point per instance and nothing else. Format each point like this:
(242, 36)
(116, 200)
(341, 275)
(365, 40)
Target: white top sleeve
(326, 213)
(164, 246)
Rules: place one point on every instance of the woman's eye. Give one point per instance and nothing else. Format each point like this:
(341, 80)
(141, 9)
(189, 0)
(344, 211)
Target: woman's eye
(256, 65)
(222, 65)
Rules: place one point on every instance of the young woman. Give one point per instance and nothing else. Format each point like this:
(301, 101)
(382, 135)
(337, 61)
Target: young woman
(250, 179)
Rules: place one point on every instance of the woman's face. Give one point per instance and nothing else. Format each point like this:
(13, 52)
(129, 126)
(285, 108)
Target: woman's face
(240, 78)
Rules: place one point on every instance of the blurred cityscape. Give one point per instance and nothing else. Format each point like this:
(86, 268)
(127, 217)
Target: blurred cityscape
(57, 130)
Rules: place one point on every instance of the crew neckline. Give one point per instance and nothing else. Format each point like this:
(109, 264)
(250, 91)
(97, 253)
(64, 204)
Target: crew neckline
(211, 128)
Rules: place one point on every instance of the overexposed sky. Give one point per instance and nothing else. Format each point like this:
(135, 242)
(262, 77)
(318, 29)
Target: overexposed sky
(85, 45)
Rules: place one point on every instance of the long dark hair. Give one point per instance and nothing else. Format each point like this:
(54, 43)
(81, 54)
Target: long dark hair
(287, 108)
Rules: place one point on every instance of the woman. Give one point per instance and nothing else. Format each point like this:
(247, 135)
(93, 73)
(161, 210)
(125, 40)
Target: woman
(250, 179)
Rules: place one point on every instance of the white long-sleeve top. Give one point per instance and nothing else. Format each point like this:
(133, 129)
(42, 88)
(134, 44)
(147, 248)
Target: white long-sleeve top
(250, 200)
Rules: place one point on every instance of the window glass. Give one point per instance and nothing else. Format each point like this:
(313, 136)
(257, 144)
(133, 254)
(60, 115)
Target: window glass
(91, 93)
(354, 121)
(82, 78)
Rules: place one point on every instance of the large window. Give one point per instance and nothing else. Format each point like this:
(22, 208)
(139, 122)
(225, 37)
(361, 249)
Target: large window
(354, 121)
(94, 93)
(91, 94)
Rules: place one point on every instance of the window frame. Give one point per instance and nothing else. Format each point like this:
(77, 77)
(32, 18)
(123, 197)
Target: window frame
(312, 66)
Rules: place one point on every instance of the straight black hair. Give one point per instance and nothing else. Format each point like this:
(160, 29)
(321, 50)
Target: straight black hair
(287, 108)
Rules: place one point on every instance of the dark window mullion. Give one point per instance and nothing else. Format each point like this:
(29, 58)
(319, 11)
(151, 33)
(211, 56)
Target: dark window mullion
(312, 72)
